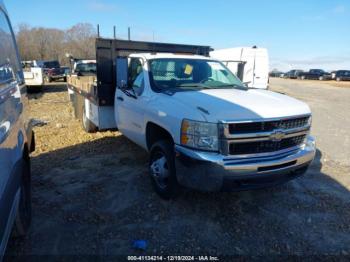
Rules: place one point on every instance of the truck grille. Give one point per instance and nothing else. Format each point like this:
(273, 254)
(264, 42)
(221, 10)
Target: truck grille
(267, 146)
(268, 126)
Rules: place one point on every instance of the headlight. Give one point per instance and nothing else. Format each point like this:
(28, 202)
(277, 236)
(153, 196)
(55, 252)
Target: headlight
(199, 135)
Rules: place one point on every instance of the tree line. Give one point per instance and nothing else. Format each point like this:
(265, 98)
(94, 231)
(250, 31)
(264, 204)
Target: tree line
(39, 43)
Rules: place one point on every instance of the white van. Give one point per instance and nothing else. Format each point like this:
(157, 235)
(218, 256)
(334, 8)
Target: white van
(250, 64)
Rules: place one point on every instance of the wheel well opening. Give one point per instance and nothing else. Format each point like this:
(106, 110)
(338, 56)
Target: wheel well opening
(155, 133)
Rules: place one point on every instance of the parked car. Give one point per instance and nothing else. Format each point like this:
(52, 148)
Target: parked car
(333, 74)
(16, 139)
(84, 67)
(276, 74)
(315, 74)
(342, 75)
(53, 71)
(293, 74)
(202, 127)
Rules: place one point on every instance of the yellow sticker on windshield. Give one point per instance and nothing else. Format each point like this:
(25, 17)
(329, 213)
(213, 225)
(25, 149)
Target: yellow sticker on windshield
(188, 69)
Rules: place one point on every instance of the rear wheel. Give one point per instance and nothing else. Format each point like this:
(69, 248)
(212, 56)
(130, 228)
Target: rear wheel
(24, 212)
(162, 169)
(338, 79)
(302, 77)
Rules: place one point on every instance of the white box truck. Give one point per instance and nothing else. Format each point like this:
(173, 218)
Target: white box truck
(250, 64)
(33, 75)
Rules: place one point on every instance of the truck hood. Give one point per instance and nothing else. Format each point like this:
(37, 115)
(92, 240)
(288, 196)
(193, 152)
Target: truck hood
(233, 104)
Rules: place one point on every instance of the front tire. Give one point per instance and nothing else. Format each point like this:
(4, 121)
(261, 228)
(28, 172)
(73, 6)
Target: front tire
(321, 78)
(24, 212)
(338, 79)
(162, 169)
(302, 77)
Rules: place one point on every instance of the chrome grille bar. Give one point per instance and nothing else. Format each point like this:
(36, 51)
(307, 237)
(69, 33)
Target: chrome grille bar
(281, 131)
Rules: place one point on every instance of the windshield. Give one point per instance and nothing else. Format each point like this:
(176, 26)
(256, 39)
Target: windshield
(174, 74)
(52, 64)
(86, 68)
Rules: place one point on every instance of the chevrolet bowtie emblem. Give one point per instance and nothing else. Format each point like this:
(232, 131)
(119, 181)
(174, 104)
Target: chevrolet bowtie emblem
(277, 135)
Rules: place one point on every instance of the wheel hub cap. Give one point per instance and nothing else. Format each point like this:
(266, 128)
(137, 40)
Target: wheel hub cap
(160, 172)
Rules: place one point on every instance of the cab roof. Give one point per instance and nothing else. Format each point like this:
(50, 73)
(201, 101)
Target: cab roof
(148, 56)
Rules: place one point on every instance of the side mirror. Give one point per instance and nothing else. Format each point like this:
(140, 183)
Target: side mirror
(123, 85)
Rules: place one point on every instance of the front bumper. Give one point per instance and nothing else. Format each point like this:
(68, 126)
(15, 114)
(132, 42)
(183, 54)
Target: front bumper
(208, 171)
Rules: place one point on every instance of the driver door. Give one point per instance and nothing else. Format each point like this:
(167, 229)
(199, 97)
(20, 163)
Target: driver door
(130, 103)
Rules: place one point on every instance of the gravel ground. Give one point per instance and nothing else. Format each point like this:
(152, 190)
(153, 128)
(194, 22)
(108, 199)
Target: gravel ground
(92, 195)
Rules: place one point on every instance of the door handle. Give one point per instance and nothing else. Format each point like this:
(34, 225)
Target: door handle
(120, 98)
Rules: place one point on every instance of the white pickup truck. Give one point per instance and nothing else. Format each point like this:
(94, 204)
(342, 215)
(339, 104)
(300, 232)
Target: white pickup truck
(203, 128)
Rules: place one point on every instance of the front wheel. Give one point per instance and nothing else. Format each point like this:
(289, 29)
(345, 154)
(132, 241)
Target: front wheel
(321, 78)
(338, 79)
(24, 212)
(162, 169)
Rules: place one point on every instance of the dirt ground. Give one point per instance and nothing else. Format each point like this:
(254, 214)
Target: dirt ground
(92, 196)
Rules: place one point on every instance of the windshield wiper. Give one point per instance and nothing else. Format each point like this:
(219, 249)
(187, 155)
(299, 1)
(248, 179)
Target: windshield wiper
(234, 86)
(195, 85)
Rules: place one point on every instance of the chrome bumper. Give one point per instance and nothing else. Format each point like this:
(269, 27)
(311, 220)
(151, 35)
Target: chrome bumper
(214, 172)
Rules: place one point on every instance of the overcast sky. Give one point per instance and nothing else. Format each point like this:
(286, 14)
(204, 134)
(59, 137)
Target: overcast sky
(298, 34)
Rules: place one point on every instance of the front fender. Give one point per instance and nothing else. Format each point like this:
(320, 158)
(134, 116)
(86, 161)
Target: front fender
(169, 113)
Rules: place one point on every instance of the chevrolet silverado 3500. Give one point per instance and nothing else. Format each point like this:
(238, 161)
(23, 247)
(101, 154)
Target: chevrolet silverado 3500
(202, 127)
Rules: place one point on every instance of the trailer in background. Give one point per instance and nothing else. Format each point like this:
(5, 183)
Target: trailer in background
(92, 95)
(250, 64)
